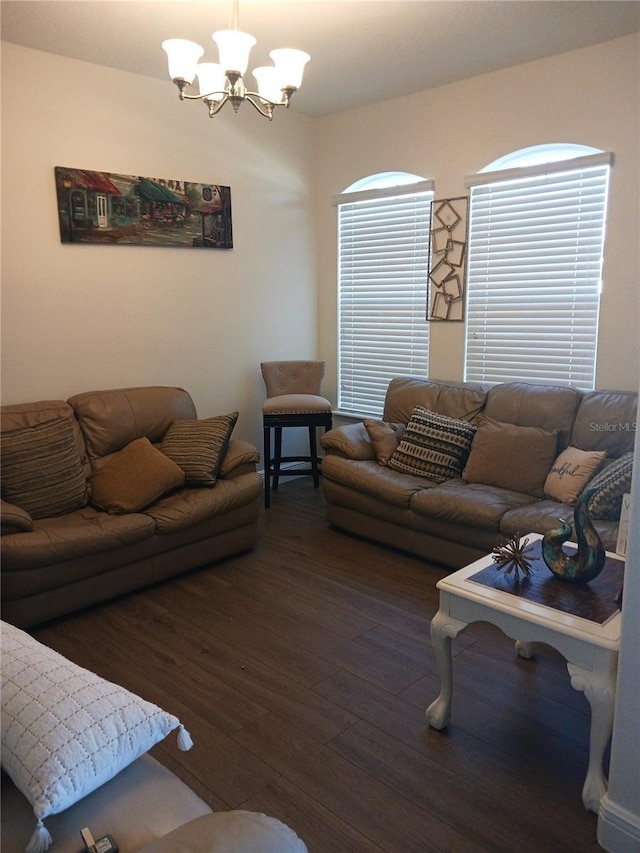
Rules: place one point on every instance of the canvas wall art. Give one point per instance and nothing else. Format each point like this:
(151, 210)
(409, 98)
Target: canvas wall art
(114, 209)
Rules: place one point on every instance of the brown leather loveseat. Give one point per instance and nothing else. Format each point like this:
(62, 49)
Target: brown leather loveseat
(105, 511)
(510, 476)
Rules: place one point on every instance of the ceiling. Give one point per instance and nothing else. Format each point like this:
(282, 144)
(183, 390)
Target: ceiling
(362, 51)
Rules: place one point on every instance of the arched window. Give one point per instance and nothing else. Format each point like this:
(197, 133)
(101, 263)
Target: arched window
(536, 239)
(383, 242)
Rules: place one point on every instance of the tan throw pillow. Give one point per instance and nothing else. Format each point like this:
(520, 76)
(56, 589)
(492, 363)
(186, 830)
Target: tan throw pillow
(385, 438)
(198, 447)
(42, 470)
(133, 478)
(433, 446)
(571, 472)
(512, 457)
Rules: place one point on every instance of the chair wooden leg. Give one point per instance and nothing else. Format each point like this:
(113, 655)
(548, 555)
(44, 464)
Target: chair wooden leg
(277, 456)
(313, 452)
(267, 466)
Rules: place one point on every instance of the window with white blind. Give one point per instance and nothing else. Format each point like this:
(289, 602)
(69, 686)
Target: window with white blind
(383, 242)
(536, 238)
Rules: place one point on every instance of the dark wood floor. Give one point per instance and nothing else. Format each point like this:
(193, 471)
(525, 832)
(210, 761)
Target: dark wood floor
(302, 670)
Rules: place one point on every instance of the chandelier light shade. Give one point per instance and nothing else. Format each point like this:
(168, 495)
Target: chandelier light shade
(289, 64)
(222, 81)
(211, 81)
(183, 58)
(234, 48)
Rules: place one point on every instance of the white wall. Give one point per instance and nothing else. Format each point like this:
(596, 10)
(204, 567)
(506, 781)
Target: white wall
(588, 96)
(81, 317)
(77, 317)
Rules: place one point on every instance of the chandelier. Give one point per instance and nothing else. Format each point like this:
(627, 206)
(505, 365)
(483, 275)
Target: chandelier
(222, 81)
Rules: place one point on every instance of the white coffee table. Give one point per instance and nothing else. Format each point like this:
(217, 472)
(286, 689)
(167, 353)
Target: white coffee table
(590, 649)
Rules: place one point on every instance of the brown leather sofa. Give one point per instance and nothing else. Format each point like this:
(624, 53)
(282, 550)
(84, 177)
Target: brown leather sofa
(55, 565)
(455, 522)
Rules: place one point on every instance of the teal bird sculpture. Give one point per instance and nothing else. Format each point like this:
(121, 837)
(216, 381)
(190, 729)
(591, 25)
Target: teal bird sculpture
(587, 562)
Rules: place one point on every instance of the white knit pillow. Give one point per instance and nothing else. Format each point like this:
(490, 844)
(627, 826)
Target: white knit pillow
(65, 730)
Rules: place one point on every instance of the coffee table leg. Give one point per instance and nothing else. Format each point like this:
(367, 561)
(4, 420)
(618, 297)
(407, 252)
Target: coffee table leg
(443, 630)
(525, 650)
(599, 688)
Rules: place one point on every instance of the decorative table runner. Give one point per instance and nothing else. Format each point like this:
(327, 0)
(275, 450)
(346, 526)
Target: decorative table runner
(596, 601)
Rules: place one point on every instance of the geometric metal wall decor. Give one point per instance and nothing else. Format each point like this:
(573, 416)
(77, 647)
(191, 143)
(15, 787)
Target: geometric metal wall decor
(114, 209)
(448, 258)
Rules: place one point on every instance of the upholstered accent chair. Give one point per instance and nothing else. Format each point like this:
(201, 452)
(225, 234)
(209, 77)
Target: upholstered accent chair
(293, 400)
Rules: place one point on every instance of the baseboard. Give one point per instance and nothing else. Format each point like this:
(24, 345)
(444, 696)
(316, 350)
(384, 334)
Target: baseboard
(291, 466)
(618, 828)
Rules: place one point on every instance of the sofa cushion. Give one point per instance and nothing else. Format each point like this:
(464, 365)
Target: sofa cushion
(610, 485)
(606, 420)
(198, 446)
(433, 446)
(65, 730)
(42, 470)
(130, 480)
(110, 420)
(385, 438)
(187, 507)
(571, 472)
(369, 478)
(71, 536)
(472, 505)
(511, 457)
(544, 515)
(455, 399)
(548, 407)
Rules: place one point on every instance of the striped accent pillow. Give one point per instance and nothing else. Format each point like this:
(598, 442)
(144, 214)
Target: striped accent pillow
(433, 446)
(609, 486)
(42, 470)
(198, 446)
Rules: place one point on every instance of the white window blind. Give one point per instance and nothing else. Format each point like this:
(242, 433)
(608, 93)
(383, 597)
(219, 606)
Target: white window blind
(383, 241)
(536, 240)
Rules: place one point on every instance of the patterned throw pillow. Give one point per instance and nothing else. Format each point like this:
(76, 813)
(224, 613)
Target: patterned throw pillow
(433, 446)
(571, 472)
(384, 437)
(198, 447)
(609, 487)
(65, 730)
(42, 470)
(133, 478)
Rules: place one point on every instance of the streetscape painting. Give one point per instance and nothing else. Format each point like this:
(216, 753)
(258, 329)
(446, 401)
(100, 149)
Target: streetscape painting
(113, 209)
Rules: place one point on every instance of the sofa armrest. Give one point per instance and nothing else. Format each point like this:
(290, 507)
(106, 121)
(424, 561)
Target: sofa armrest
(351, 441)
(143, 802)
(14, 519)
(240, 456)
